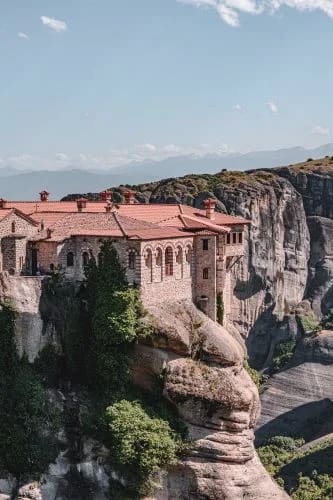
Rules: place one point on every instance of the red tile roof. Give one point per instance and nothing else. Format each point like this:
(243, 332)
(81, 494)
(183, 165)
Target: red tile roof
(110, 224)
(142, 221)
(5, 212)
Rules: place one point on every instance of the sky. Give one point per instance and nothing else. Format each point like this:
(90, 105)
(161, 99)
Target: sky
(99, 83)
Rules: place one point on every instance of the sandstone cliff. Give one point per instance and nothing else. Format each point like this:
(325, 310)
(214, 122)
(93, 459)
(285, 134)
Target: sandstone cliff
(202, 364)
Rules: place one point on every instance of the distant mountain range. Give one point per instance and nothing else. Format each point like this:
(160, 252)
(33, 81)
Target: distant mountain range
(18, 184)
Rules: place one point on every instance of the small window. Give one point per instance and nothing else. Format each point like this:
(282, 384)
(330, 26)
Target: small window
(70, 259)
(85, 259)
(169, 262)
(205, 244)
(13, 227)
(205, 273)
(228, 239)
(131, 260)
(234, 238)
(52, 267)
(240, 237)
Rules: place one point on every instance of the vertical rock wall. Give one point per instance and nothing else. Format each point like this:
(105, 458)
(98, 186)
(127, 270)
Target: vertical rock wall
(271, 279)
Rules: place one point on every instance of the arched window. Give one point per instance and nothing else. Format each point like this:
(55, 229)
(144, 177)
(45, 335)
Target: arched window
(13, 227)
(168, 261)
(70, 259)
(179, 255)
(131, 259)
(159, 257)
(189, 255)
(205, 273)
(148, 256)
(85, 259)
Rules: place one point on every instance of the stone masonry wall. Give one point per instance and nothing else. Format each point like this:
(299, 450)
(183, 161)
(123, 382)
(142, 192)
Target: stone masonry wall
(157, 285)
(13, 250)
(205, 274)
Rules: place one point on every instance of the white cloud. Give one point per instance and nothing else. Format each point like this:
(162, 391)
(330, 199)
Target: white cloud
(237, 107)
(114, 157)
(229, 10)
(61, 157)
(272, 106)
(23, 35)
(319, 130)
(54, 24)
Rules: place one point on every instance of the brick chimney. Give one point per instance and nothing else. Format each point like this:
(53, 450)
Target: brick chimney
(210, 205)
(2, 203)
(81, 204)
(44, 195)
(108, 206)
(106, 195)
(129, 197)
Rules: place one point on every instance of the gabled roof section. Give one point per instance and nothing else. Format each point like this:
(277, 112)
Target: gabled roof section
(107, 224)
(6, 212)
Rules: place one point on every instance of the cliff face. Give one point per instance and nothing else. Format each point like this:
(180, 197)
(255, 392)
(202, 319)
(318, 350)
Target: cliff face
(217, 400)
(299, 399)
(202, 364)
(271, 279)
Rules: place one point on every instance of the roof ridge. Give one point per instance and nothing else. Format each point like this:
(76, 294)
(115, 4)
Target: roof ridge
(115, 216)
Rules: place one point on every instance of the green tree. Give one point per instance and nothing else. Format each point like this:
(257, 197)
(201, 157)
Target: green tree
(141, 445)
(117, 314)
(28, 424)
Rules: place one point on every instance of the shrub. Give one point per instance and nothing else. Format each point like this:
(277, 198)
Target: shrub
(141, 445)
(28, 424)
(284, 351)
(306, 474)
(309, 322)
(254, 374)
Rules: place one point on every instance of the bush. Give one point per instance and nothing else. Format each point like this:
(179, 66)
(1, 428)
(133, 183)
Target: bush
(283, 353)
(306, 474)
(309, 322)
(141, 445)
(28, 424)
(254, 374)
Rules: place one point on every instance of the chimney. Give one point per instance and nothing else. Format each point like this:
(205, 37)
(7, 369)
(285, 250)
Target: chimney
(106, 195)
(44, 195)
(49, 232)
(129, 197)
(2, 203)
(81, 204)
(108, 206)
(210, 205)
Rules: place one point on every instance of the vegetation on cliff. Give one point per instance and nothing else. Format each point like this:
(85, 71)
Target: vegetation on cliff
(140, 444)
(136, 425)
(28, 422)
(305, 472)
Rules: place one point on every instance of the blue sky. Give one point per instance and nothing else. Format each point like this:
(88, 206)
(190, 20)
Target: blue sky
(101, 82)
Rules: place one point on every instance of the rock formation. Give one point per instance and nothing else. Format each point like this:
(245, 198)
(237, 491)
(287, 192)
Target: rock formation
(299, 400)
(205, 379)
